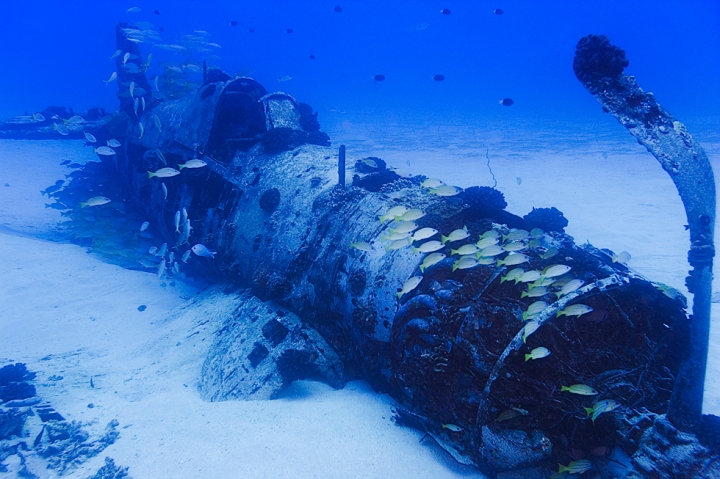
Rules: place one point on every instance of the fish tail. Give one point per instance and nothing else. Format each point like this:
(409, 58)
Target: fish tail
(399, 295)
(443, 239)
(422, 268)
(150, 174)
(213, 253)
(559, 313)
(524, 293)
(453, 251)
(83, 205)
(455, 267)
(180, 167)
(589, 411)
(414, 250)
(561, 468)
(564, 388)
(527, 356)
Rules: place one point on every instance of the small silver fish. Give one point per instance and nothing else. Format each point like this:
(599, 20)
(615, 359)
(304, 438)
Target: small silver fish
(126, 57)
(142, 130)
(113, 143)
(163, 249)
(362, 246)
(187, 230)
(132, 89)
(176, 268)
(184, 215)
(177, 221)
(112, 77)
(136, 104)
(157, 121)
(171, 257)
(452, 427)
(160, 155)
(153, 250)
(161, 269)
(157, 88)
(144, 226)
(164, 189)
(104, 150)
(202, 250)
(89, 137)
(142, 102)
(95, 201)
(116, 54)
(185, 256)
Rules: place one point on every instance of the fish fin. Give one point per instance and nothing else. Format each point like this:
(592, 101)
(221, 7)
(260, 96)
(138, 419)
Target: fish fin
(399, 295)
(589, 411)
(527, 356)
(559, 313)
(453, 251)
(83, 205)
(180, 167)
(422, 268)
(443, 239)
(150, 174)
(414, 250)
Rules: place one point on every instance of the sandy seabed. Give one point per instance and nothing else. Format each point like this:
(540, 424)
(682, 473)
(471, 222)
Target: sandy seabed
(65, 313)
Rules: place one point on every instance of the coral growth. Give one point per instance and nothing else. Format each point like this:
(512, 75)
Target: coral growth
(484, 200)
(595, 58)
(308, 119)
(547, 219)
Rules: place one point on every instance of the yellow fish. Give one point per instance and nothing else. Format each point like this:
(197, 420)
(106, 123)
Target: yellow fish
(409, 285)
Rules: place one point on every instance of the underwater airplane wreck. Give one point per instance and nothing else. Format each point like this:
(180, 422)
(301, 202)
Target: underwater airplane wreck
(500, 338)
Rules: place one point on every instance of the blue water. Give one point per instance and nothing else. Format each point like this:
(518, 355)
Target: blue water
(58, 53)
(553, 147)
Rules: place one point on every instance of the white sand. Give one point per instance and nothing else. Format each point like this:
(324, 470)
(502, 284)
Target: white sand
(80, 314)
